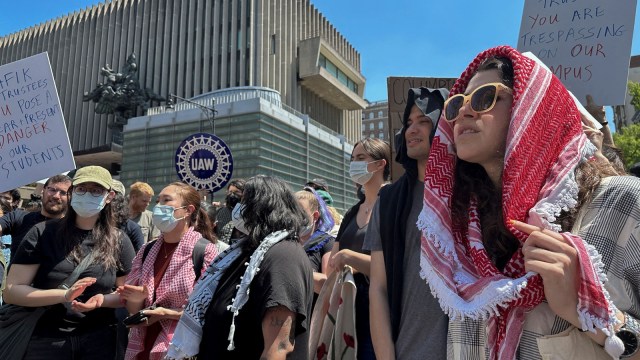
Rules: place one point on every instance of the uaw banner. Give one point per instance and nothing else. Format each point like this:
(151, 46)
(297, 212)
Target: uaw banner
(204, 161)
(34, 143)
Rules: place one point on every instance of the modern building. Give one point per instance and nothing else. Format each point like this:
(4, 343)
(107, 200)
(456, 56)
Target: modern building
(195, 47)
(265, 136)
(375, 120)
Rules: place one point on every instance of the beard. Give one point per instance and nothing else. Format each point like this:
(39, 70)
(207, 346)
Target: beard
(55, 208)
(138, 208)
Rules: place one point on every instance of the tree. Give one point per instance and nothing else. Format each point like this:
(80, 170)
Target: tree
(628, 140)
(634, 91)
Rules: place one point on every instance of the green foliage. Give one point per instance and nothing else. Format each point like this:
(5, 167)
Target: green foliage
(628, 140)
(634, 91)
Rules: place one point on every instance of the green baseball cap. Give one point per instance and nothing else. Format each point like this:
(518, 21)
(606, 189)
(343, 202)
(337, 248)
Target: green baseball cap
(325, 196)
(95, 174)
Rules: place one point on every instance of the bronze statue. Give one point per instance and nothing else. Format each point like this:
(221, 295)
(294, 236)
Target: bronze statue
(121, 94)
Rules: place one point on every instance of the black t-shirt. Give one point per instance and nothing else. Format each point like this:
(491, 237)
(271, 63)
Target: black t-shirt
(353, 237)
(284, 279)
(134, 232)
(316, 252)
(17, 224)
(43, 245)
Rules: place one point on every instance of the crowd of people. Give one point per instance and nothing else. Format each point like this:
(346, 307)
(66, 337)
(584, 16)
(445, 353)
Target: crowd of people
(514, 233)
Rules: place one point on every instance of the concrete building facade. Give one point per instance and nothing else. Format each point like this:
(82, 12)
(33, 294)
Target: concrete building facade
(193, 47)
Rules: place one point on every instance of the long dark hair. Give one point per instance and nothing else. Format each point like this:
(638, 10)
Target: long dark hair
(105, 234)
(199, 219)
(120, 207)
(472, 181)
(270, 206)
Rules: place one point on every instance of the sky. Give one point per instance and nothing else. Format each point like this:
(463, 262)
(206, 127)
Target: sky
(422, 38)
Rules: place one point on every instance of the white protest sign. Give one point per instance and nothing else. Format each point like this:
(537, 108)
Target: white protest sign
(34, 143)
(585, 43)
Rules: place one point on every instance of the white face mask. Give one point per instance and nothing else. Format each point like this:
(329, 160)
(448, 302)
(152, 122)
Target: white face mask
(306, 231)
(359, 173)
(237, 220)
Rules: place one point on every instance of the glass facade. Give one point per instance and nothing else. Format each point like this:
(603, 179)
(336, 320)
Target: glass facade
(337, 73)
(293, 150)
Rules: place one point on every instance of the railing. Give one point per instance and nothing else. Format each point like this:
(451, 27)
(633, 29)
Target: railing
(225, 96)
(376, 103)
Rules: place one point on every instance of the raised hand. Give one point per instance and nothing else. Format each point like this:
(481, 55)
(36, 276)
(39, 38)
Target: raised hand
(78, 288)
(93, 303)
(597, 111)
(549, 254)
(133, 293)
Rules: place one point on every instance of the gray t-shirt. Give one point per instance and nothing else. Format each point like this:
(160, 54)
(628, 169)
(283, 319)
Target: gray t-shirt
(145, 220)
(423, 324)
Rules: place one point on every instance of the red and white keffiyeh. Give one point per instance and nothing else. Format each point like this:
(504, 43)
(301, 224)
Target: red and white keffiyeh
(545, 144)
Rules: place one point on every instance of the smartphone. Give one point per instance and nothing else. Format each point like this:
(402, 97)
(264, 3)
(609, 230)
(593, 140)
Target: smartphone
(137, 318)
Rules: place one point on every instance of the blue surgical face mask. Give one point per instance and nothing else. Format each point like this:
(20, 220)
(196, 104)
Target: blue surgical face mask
(163, 217)
(87, 205)
(237, 220)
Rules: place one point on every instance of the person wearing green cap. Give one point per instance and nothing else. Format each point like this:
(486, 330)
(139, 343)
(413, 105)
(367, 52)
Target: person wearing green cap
(78, 322)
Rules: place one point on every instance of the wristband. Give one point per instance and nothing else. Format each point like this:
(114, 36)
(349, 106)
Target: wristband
(65, 296)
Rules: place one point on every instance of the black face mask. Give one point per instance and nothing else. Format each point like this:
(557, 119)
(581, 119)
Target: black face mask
(231, 200)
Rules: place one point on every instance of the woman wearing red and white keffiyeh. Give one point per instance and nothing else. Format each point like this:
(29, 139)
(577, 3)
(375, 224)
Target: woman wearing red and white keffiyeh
(507, 176)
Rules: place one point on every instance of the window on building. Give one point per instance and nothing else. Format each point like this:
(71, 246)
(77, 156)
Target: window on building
(371, 126)
(370, 115)
(273, 43)
(380, 113)
(363, 127)
(371, 136)
(380, 135)
(380, 125)
(337, 73)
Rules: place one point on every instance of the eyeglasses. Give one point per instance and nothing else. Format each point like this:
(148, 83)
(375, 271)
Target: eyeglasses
(96, 192)
(481, 99)
(53, 191)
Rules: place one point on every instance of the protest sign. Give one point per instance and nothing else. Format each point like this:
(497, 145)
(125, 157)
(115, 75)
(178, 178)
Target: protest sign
(34, 143)
(397, 89)
(585, 43)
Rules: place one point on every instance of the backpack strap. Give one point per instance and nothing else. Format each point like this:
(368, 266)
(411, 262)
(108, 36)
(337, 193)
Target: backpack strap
(198, 256)
(147, 249)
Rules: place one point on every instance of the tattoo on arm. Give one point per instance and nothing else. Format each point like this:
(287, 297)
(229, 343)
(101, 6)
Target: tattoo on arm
(276, 322)
(281, 325)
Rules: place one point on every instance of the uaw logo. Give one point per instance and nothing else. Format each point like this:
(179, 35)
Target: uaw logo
(204, 161)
